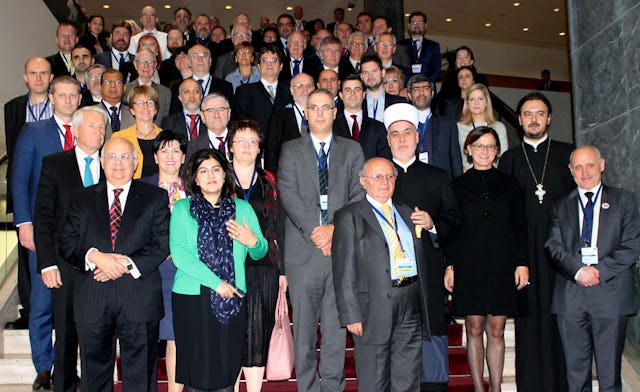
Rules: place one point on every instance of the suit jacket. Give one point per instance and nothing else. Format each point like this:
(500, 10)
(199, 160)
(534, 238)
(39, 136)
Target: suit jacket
(164, 98)
(310, 65)
(253, 101)
(361, 276)
(36, 141)
(299, 190)
(618, 250)
(143, 236)
(215, 85)
(202, 142)
(126, 118)
(59, 179)
(373, 136)
(446, 148)
(107, 59)
(178, 124)
(58, 66)
(225, 64)
(430, 57)
(15, 114)
(283, 126)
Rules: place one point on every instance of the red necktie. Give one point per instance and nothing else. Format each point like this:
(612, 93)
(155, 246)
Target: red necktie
(221, 146)
(68, 137)
(355, 129)
(115, 214)
(344, 51)
(193, 126)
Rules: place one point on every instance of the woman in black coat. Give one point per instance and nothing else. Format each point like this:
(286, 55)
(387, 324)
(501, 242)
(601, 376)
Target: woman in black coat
(488, 254)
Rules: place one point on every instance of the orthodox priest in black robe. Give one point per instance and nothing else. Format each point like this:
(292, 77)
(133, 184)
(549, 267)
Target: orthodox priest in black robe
(540, 166)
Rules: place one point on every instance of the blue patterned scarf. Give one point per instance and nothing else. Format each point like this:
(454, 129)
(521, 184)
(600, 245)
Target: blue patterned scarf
(215, 248)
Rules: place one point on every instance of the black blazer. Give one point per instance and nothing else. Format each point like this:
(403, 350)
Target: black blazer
(283, 127)
(310, 65)
(58, 66)
(106, 58)
(446, 147)
(253, 101)
(15, 113)
(143, 236)
(373, 136)
(178, 124)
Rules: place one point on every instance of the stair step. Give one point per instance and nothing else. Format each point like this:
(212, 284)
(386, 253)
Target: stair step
(17, 369)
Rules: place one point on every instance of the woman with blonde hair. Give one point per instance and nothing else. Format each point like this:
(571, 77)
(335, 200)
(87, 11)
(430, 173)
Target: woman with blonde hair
(478, 111)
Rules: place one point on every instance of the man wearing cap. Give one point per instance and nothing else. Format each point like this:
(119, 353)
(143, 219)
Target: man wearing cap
(380, 283)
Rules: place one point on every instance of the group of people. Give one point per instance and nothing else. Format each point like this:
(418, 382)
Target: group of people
(168, 186)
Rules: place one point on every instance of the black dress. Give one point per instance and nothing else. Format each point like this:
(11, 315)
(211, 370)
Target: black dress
(262, 275)
(489, 245)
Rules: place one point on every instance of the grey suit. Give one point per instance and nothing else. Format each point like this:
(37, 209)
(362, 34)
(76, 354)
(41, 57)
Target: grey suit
(164, 98)
(592, 320)
(388, 353)
(308, 271)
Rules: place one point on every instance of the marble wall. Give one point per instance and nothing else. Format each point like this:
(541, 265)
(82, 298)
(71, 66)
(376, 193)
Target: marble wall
(605, 63)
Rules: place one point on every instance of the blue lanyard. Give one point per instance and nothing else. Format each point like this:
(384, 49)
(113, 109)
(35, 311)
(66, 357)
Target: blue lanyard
(64, 137)
(247, 194)
(117, 112)
(375, 109)
(595, 197)
(393, 226)
(29, 106)
(423, 130)
(327, 154)
(305, 123)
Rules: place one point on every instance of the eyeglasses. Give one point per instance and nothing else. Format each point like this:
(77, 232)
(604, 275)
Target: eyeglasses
(484, 147)
(95, 77)
(381, 177)
(198, 55)
(146, 63)
(111, 82)
(385, 44)
(243, 51)
(269, 60)
(118, 157)
(148, 103)
(307, 86)
(360, 44)
(417, 22)
(420, 88)
(321, 109)
(333, 51)
(247, 142)
(219, 110)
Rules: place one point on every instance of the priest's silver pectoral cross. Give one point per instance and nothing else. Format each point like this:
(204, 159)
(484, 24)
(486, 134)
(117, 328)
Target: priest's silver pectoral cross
(540, 193)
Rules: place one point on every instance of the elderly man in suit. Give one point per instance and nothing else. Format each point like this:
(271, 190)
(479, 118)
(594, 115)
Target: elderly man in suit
(31, 107)
(187, 122)
(145, 64)
(215, 112)
(117, 234)
(594, 243)
(317, 175)
(380, 282)
(36, 141)
(62, 174)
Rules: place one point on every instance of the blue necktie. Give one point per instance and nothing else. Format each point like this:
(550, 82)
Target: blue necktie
(296, 67)
(88, 177)
(587, 221)
(323, 174)
(115, 119)
(121, 60)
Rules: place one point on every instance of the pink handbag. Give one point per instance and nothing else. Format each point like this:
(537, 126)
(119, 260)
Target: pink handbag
(280, 360)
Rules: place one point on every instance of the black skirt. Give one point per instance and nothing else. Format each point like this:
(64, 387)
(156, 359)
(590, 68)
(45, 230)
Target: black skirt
(208, 353)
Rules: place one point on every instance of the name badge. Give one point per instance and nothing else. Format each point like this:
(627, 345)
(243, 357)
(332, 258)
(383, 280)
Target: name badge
(324, 202)
(589, 255)
(416, 68)
(406, 267)
(423, 157)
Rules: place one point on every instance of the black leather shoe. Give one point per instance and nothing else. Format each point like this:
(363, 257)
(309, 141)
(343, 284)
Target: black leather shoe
(42, 381)
(21, 323)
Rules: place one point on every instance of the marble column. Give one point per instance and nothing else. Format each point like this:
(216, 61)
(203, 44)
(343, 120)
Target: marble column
(605, 63)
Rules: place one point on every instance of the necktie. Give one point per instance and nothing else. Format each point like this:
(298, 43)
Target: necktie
(355, 129)
(296, 67)
(121, 61)
(201, 81)
(394, 239)
(193, 126)
(323, 176)
(587, 221)
(417, 46)
(358, 68)
(69, 64)
(115, 119)
(88, 177)
(115, 214)
(68, 138)
(272, 93)
(221, 146)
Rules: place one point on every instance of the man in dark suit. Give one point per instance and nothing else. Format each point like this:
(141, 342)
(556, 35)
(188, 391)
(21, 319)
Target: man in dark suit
(145, 64)
(438, 144)
(427, 190)
(62, 174)
(258, 100)
(379, 276)
(116, 235)
(187, 123)
(118, 55)
(289, 123)
(296, 62)
(317, 175)
(31, 107)
(215, 114)
(338, 16)
(226, 63)
(425, 53)
(377, 100)
(351, 63)
(594, 243)
(36, 141)
(92, 95)
(66, 39)
(353, 124)
(401, 55)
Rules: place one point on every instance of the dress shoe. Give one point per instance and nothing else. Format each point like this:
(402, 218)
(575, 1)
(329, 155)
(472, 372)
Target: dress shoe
(21, 323)
(42, 381)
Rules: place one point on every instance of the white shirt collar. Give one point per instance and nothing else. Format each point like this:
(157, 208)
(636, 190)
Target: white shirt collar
(535, 142)
(123, 196)
(316, 142)
(405, 166)
(377, 204)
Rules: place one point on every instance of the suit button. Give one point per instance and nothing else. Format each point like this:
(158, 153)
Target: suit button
(388, 295)
(386, 270)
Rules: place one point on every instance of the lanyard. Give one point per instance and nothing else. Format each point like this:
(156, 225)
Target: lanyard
(327, 154)
(188, 124)
(305, 123)
(205, 86)
(375, 108)
(423, 130)
(66, 63)
(392, 225)
(117, 111)
(29, 106)
(64, 137)
(247, 194)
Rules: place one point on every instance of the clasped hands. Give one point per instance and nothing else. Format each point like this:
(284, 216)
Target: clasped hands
(321, 237)
(588, 276)
(109, 266)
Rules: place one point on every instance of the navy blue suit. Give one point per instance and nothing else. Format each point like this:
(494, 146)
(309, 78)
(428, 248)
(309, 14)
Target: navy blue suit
(36, 141)
(430, 58)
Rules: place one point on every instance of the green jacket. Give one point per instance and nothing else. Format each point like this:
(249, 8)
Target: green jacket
(192, 272)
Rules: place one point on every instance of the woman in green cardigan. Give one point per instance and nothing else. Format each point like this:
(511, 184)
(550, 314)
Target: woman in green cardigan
(211, 234)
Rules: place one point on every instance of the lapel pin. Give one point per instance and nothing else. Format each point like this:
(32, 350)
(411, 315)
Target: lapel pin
(605, 206)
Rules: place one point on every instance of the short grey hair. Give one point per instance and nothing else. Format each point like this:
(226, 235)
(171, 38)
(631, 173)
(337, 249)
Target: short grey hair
(359, 34)
(393, 36)
(78, 116)
(212, 96)
(91, 68)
